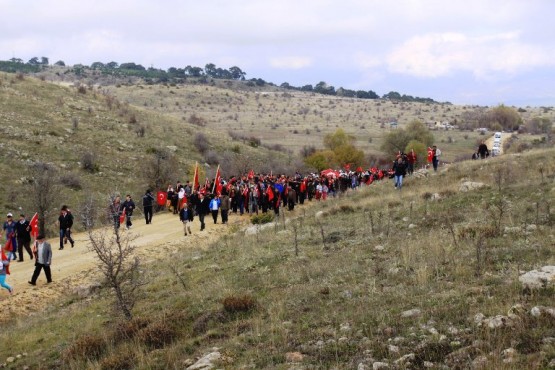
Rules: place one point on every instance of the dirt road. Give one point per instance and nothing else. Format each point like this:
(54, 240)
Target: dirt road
(72, 267)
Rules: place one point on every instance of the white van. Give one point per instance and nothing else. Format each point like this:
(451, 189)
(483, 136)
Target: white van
(497, 136)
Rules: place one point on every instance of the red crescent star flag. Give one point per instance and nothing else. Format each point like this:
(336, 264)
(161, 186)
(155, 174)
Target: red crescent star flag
(217, 188)
(161, 198)
(34, 224)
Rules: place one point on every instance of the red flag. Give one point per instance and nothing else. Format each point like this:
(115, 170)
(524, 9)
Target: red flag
(5, 258)
(8, 246)
(122, 217)
(270, 193)
(217, 188)
(161, 198)
(34, 224)
(196, 184)
(347, 167)
(251, 174)
(430, 154)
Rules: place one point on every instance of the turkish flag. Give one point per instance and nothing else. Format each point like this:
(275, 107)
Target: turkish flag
(217, 189)
(161, 198)
(430, 154)
(34, 224)
(251, 174)
(270, 193)
(122, 217)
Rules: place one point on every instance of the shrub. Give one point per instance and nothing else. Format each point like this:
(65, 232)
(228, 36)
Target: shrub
(71, 180)
(82, 89)
(133, 118)
(88, 162)
(129, 328)
(157, 334)
(262, 218)
(119, 360)
(201, 142)
(196, 120)
(89, 346)
(242, 303)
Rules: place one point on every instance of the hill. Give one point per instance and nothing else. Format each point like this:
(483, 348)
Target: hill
(422, 278)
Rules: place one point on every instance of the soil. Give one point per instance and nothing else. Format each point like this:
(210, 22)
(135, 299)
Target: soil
(73, 267)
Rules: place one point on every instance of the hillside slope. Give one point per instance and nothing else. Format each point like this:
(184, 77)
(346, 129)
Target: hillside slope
(426, 277)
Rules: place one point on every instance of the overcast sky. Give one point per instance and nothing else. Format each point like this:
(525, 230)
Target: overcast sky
(482, 52)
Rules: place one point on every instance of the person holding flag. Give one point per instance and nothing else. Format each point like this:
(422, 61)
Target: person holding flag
(23, 236)
(11, 241)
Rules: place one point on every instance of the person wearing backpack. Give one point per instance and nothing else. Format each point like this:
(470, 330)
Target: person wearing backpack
(65, 221)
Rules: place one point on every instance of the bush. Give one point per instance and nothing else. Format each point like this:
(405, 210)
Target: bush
(127, 329)
(119, 360)
(243, 303)
(71, 180)
(88, 162)
(201, 143)
(157, 334)
(262, 218)
(196, 120)
(89, 346)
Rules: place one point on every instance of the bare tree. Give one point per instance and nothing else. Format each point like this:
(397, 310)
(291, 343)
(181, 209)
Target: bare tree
(44, 191)
(160, 169)
(116, 261)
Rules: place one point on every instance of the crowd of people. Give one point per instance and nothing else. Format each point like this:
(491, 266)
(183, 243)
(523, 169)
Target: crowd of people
(246, 194)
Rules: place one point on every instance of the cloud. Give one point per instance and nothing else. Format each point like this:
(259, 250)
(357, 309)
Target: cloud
(442, 54)
(291, 62)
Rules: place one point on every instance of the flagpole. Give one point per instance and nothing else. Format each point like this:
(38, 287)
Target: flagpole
(216, 179)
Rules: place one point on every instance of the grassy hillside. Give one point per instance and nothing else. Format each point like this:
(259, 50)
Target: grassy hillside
(377, 275)
(62, 125)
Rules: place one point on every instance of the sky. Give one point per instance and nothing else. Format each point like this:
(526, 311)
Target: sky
(482, 52)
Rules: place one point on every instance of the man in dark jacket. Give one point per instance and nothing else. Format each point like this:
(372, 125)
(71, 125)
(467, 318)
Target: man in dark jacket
(43, 259)
(23, 234)
(203, 208)
(400, 170)
(148, 203)
(128, 206)
(65, 221)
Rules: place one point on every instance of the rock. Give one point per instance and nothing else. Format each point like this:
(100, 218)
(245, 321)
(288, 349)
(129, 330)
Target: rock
(412, 226)
(470, 186)
(415, 312)
(345, 327)
(10, 359)
(537, 279)
(405, 219)
(405, 359)
(508, 355)
(294, 357)
(206, 362)
(254, 229)
(319, 215)
(85, 291)
(537, 311)
(380, 365)
(435, 197)
(478, 318)
(172, 148)
(379, 248)
(551, 364)
(498, 321)
(393, 349)
(428, 364)
(362, 366)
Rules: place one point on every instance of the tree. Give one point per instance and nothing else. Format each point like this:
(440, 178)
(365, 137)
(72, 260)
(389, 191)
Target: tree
(60, 63)
(98, 65)
(237, 73)
(321, 160)
(112, 65)
(44, 190)
(348, 154)
(210, 70)
(508, 118)
(392, 95)
(116, 260)
(337, 139)
(194, 71)
(307, 88)
(34, 61)
(44, 61)
(323, 88)
(539, 125)
(398, 140)
(160, 168)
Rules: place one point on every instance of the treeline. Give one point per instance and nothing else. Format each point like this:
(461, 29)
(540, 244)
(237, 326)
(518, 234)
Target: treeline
(176, 75)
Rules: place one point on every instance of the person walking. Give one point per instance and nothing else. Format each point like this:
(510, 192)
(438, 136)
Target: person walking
(43, 259)
(411, 161)
(225, 205)
(148, 202)
(483, 150)
(184, 217)
(435, 156)
(115, 211)
(203, 208)
(65, 222)
(400, 170)
(9, 230)
(4, 271)
(215, 207)
(128, 207)
(23, 236)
